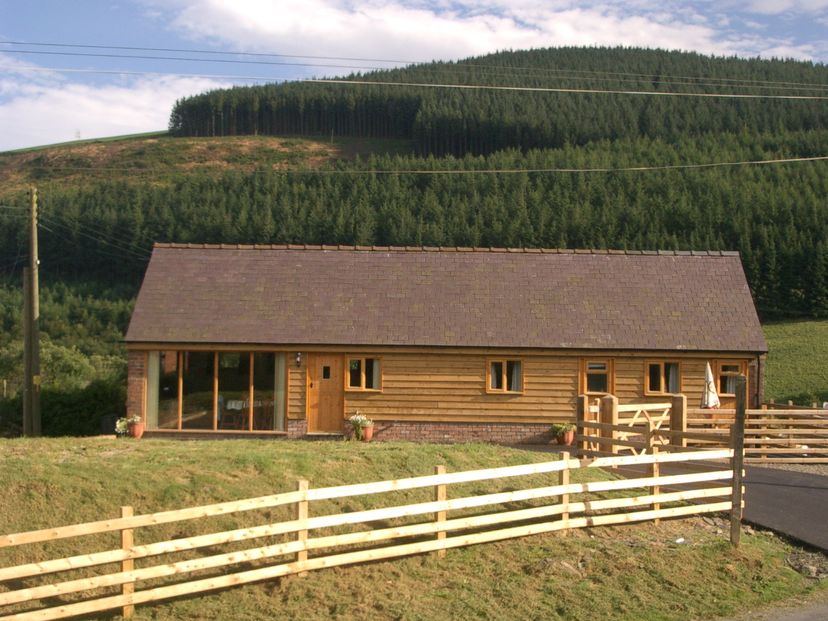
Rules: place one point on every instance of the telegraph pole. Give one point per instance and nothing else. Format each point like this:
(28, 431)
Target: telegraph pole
(31, 330)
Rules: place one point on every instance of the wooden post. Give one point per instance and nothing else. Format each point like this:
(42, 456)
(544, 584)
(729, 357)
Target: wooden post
(678, 421)
(127, 541)
(737, 443)
(582, 414)
(302, 513)
(27, 354)
(440, 516)
(655, 471)
(563, 479)
(34, 316)
(609, 416)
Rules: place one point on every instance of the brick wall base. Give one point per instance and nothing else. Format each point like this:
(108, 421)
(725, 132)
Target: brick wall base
(296, 428)
(497, 433)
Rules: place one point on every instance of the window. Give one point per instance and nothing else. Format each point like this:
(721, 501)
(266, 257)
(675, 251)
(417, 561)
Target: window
(209, 391)
(597, 377)
(662, 378)
(364, 374)
(504, 376)
(727, 372)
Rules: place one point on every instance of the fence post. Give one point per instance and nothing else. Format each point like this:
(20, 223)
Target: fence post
(582, 414)
(563, 479)
(655, 471)
(440, 516)
(737, 442)
(127, 541)
(302, 485)
(609, 416)
(678, 421)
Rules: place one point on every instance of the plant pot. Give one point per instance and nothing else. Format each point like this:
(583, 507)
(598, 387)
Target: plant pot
(136, 430)
(367, 433)
(567, 438)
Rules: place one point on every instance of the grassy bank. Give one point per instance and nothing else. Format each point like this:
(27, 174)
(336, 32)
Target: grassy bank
(797, 361)
(630, 572)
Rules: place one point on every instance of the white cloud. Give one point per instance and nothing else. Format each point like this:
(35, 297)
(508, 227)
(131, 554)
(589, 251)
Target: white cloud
(44, 108)
(775, 7)
(422, 31)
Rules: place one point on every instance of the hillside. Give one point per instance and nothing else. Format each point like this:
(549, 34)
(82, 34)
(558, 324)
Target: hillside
(435, 167)
(632, 572)
(449, 120)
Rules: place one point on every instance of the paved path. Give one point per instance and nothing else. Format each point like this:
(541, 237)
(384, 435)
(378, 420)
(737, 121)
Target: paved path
(813, 608)
(792, 503)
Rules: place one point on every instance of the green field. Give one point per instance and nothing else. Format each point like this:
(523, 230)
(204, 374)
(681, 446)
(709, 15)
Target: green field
(624, 573)
(797, 362)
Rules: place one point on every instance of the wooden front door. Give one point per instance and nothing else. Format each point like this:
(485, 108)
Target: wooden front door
(326, 393)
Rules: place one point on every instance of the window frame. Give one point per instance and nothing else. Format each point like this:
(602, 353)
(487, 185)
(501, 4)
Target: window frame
(361, 387)
(504, 376)
(662, 364)
(718, 374)
(181, 356)
(610, 372)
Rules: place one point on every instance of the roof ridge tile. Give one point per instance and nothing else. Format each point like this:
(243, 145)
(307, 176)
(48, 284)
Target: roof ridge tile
(446, 249)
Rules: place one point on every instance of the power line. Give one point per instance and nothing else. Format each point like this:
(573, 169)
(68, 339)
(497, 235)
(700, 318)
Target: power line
(472, 171)
(93, 249)
(217, 52)
(135, 254)
(438, 65)
(122, 243)
(586, 91)
(188, 59)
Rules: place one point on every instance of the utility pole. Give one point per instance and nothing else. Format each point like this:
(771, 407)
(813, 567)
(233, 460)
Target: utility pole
(31, 330)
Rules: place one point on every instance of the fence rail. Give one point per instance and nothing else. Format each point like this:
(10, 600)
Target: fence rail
(770, 436)
(554, 509)
(773, 436)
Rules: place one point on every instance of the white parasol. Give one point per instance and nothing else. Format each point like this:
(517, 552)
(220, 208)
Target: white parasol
(710, 398)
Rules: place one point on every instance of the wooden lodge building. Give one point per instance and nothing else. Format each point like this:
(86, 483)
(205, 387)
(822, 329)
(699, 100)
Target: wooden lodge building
(434, 344)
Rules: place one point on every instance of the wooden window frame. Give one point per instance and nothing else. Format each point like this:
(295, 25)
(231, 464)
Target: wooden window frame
(180, 357)
(742, 364)
(503, 377)
(585, 362)
(664, 392)
(361, 387)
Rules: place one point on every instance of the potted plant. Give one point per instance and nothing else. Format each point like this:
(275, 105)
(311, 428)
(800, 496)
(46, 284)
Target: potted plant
(132, 426)
(362, 426)
(564, 432)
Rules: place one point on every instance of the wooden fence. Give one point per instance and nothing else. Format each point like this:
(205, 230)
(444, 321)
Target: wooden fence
(24, 596)
(770, 436)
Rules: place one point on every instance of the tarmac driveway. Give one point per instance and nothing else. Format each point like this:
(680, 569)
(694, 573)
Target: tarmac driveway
(793, 503)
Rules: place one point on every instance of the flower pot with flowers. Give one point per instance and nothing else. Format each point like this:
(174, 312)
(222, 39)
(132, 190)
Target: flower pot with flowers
(131, 426)
(564, 433)
(363, 427)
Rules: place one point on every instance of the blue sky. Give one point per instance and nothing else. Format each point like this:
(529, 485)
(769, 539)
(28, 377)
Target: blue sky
(47, 98)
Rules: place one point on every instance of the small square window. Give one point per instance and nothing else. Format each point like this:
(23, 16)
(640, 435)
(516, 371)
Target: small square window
(505, 376)
(597, 376)
(364, 374)
(728, 372)
(326, 372)
(663, 378)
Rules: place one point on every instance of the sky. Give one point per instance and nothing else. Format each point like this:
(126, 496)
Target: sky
(65, 93)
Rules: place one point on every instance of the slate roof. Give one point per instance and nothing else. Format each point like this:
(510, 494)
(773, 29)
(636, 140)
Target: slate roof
(457, 297)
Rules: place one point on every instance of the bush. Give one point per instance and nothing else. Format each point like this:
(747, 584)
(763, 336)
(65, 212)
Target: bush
(69, 411)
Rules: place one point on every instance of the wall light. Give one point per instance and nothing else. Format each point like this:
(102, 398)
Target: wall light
(298, 359)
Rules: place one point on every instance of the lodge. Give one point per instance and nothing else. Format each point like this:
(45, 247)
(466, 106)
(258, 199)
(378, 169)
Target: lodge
(434, 344)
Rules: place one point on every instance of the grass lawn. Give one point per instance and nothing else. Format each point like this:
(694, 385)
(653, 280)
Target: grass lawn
(797, 361)
(629, 572)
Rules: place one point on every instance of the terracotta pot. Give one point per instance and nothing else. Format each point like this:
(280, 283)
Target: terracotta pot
(567, 438)
(367, 433)
(136, 430)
